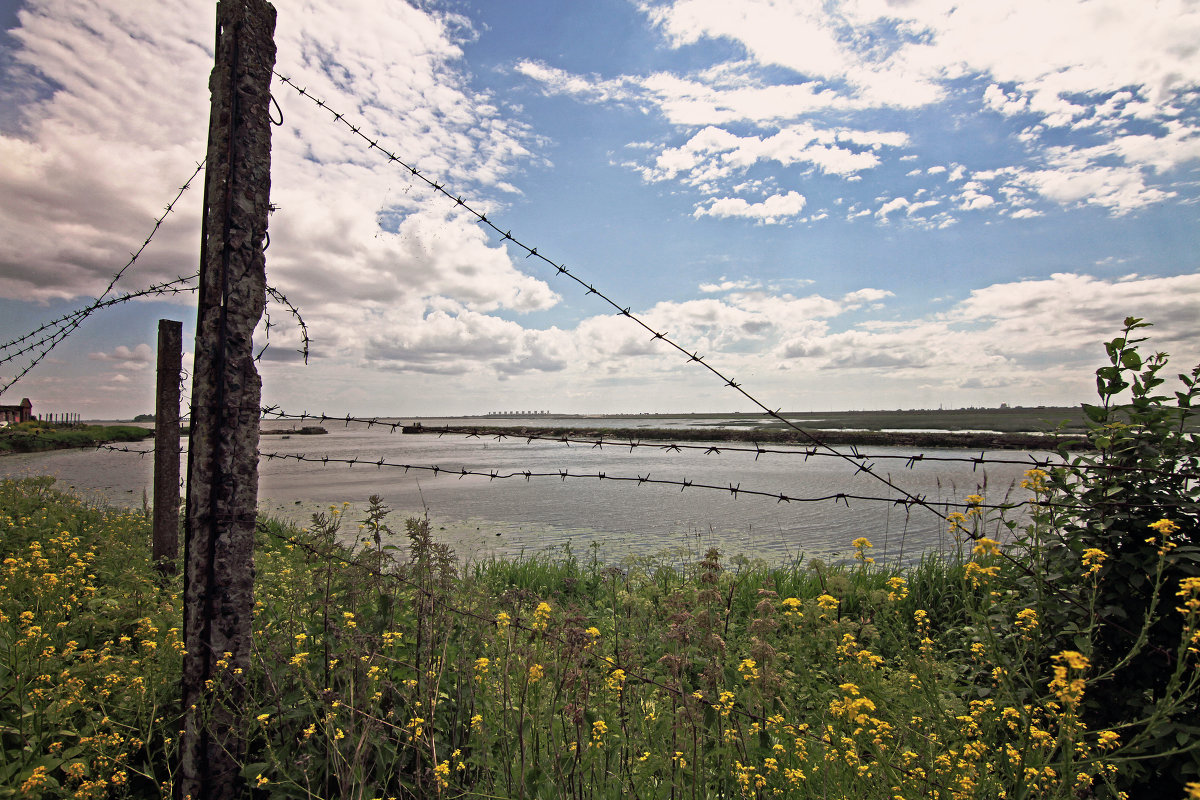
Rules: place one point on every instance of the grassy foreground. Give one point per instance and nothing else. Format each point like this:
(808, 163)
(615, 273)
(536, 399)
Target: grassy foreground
(552, 677)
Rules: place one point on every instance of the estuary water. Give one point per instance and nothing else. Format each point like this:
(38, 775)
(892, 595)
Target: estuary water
(480, 516)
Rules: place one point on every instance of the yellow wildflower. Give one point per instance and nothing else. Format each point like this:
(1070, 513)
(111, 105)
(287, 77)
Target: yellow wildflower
(1093, 559)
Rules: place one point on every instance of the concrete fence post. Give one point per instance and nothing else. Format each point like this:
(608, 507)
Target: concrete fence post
(222, 487)
(166, 446)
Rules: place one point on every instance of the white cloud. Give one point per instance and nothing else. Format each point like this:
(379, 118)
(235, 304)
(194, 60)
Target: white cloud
(714, 153)
(891, 206)
(1081, 65)
(774, 210)
(357, 245)
(1121, 189)
(136, 358)
(729, 286)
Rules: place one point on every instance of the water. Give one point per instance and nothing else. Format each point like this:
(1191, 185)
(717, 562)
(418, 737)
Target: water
(480, 517)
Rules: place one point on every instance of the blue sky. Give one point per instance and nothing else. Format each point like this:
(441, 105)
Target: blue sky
(855, 204)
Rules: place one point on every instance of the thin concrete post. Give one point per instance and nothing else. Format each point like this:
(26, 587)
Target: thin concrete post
(222, 486)
(166, 446)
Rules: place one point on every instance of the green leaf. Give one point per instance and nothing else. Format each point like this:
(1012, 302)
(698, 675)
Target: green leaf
(1131, 360)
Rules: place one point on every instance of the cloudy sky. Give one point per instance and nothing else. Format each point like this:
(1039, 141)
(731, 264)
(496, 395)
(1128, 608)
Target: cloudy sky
(841, 204)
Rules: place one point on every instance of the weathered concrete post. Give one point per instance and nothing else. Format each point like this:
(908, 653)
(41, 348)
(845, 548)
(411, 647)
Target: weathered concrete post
(226, 394)
(166, 446)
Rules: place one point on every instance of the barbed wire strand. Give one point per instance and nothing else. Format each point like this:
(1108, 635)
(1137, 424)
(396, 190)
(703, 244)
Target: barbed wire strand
(174, 286)
(77, 320)
(50, 341)
(622, 440)
(735, 490)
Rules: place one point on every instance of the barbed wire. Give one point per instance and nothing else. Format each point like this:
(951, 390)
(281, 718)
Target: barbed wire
(279, 297)
(73, 321)
(169, 287)
(174, 286)
(656, 335)
(561, 269)
(734, 490)
(625, 440)
(44, 338)
(66, 325)
(683, 484)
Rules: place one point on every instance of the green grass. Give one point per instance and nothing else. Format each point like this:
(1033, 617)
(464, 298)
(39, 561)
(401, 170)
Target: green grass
(383, 670)
(29, 437)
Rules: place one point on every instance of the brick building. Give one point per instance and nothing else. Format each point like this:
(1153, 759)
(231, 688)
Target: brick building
(19, 413)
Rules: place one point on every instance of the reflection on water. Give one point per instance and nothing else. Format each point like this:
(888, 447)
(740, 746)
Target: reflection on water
(480, 517)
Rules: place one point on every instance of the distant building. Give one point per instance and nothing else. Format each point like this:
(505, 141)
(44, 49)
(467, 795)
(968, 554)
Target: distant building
(15, 414)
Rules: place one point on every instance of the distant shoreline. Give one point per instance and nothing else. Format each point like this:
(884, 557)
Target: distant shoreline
(914, 439)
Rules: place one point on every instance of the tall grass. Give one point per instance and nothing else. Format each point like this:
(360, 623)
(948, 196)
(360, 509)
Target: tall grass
(383, 669)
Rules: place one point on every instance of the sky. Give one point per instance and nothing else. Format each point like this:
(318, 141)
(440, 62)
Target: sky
(848, 204)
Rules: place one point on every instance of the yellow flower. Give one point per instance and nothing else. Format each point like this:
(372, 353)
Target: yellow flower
(1193, 790)
(615, 681)
(1164, 527)
(1027, 619)
(536, 672)
(986, 547)
(1074, 659)
(897, 589)
(1035, 480)
(978, 575)
(442, 774)
(827, 602)
(1069, 689)
(503, 620)
(860, 549)
(749, 669)
(974, 499)
(36, 780)
(541, 616)
(1093, 559)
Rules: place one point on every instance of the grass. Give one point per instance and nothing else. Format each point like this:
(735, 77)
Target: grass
(29, 437)
(382, 669)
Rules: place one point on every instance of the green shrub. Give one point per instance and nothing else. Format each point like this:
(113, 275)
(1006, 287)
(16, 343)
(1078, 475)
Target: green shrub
(1127, 532)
